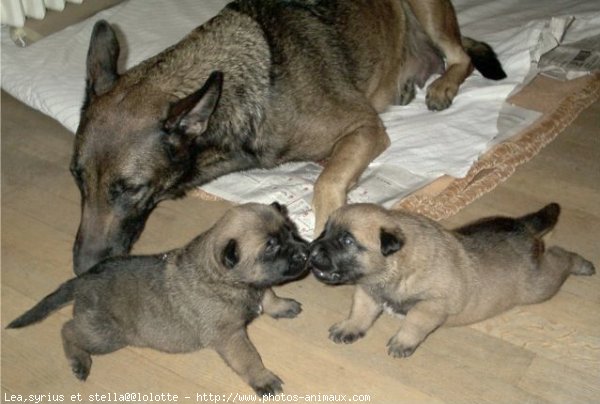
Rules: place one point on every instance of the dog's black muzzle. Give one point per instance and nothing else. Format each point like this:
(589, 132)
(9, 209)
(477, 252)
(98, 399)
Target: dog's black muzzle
(322, 266)
(297, 257)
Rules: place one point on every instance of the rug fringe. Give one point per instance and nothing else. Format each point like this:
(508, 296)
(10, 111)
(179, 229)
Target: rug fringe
(501, 162)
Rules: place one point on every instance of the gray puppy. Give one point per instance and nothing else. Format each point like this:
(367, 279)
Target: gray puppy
(202, 295)
(413, 266)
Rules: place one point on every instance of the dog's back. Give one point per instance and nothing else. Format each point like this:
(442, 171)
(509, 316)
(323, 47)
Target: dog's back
(506, 258)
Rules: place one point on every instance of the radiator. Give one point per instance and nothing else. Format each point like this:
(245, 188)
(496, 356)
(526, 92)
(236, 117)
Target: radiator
(14, 12)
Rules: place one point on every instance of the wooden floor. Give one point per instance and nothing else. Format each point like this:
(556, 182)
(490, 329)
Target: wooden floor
(544, 353)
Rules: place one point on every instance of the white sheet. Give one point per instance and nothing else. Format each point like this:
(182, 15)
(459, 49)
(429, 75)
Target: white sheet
(49, 76)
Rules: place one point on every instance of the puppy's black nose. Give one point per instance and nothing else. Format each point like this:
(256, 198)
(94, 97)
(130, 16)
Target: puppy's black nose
(315, 250)
(300, 257)
(318, 257)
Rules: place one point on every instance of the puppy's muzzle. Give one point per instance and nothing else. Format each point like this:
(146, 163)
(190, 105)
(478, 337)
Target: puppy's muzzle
(321, 265)
(297, 261)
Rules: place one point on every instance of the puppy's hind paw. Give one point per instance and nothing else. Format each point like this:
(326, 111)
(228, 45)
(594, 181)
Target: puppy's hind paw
(342, 333)
(80, 369)
(583, 267)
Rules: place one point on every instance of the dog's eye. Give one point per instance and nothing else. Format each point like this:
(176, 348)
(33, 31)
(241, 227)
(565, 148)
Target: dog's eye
(135, 189)
(346, 239)
(272, 245)
(131, 192)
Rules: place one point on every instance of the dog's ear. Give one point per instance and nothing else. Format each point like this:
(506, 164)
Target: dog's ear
(230, 256)
(102, 58)
(390, 242)
(281, 208)
(189, 116)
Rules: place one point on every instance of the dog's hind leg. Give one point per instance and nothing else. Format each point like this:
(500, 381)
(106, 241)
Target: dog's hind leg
(79, 345)
(79, 358)
(555, 267)
(362, 142)
(438, 19)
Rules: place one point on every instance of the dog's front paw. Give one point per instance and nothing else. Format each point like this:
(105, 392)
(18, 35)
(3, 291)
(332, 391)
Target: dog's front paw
(286, 308)
(345, 333)
(440, 94)
(399, 349)
(268, 385)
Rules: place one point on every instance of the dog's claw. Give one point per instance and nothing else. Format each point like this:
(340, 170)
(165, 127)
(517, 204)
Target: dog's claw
(339, 335)
(399, 350)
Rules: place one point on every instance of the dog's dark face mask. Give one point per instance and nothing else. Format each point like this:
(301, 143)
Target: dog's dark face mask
(337, 257)
(334, 255)
(281, 256)
(132, 150)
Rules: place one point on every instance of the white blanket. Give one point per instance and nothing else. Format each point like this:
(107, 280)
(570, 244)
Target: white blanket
(50, 75)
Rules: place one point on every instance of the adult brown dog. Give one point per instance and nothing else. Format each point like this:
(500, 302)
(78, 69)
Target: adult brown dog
(433, 276)
(262, 83)
(202, 295)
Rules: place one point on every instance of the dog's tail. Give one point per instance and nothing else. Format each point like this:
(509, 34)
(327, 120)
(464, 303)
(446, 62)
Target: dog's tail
(483, 58)
(542, 221)
(54, 301)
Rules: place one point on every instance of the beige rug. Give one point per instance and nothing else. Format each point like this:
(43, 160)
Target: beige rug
(560, 103)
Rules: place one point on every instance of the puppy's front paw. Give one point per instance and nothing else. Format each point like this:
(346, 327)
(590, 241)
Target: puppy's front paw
(267, 385)
(399, 349)
(345, 332)
(286, 308)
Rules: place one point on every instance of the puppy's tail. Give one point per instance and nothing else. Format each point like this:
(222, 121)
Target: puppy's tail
(483, 58)
(54, 301)
(542, 221)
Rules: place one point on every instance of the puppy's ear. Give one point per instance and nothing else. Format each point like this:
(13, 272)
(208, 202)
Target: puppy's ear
(281, 208)
(390, 243)
(230, 256)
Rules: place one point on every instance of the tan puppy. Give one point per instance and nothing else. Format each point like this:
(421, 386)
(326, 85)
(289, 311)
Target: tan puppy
(413, 266)
(200, 296)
